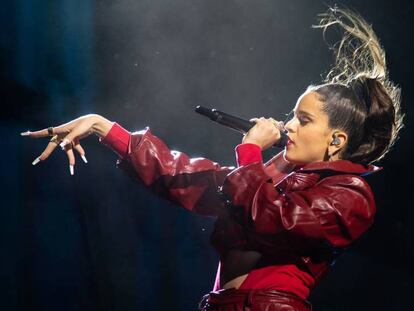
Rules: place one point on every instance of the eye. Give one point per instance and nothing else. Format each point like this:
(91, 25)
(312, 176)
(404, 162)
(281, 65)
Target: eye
(303, 121)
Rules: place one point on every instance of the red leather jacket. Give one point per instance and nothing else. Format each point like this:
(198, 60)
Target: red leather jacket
(306, 215)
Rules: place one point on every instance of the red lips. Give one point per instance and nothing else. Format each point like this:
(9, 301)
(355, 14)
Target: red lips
(289, 141)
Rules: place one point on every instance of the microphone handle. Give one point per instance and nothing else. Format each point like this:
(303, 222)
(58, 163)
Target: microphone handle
(235, 123)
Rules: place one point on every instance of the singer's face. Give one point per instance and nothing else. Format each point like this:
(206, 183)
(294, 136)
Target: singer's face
(309, 131)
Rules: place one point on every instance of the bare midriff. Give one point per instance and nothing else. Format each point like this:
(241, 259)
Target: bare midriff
(236, 265)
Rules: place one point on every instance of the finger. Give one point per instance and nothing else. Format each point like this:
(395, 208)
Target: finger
(279, 124)
(48, 150)
(69, 126)
(60, 129)
(276, 123)
(79, 149)
(36, 134)
(79, 131)
(257, 119)
(45, 132)
(71, 158)
(46, 153)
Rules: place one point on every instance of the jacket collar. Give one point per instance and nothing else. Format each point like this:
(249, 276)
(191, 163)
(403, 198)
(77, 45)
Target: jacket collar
(344, 166)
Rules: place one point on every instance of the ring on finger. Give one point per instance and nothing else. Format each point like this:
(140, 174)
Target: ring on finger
(55, 140)
(274, 121)
(50, 131)
(279, 124)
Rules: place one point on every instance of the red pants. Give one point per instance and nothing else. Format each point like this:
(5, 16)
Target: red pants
(233, 299)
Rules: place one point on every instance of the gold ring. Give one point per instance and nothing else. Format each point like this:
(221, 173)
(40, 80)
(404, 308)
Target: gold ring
(55, 140)
(50, 131)
(274, 121)
(279, 124)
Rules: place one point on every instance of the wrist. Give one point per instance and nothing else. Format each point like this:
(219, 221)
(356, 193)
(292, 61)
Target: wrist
(251, 142)
(100, 126)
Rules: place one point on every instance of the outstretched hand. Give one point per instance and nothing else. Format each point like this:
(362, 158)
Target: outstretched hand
(68, 136)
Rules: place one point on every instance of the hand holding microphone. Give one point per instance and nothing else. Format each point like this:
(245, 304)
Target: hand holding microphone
(263, 132)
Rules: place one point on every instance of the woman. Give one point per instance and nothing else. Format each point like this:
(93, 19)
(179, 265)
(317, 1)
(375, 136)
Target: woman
(279, 225)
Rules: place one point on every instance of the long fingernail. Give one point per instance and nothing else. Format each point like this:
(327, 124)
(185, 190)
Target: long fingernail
(27, 133)
(84, 158)
(37, 160)
(63, 143)
(71, 168)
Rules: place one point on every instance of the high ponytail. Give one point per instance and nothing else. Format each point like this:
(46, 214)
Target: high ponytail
(358, 97)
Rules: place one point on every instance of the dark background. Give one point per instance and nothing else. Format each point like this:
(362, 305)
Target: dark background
(99, 241)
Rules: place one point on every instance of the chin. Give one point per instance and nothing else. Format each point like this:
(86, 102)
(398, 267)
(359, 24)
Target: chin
(288, 158)
(291, 159)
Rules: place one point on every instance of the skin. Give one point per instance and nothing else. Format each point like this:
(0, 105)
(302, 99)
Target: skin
(312, 139)
(311, 136)
(69, 136)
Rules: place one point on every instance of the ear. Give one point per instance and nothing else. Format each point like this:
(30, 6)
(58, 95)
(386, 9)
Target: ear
(341, 139)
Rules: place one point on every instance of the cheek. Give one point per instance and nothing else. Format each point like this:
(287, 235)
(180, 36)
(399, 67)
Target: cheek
(310, 145)
(311, 138)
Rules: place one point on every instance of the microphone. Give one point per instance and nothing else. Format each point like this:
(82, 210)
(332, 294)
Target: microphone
(235, 123)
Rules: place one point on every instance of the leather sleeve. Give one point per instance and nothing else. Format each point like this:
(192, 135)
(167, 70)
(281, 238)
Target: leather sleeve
(117, 139)
(191, 183)
(337, 209)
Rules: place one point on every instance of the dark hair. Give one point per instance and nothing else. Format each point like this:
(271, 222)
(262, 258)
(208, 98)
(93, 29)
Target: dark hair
(358, 97)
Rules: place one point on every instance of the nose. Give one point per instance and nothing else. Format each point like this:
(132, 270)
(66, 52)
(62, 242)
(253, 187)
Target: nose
(289, 125)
